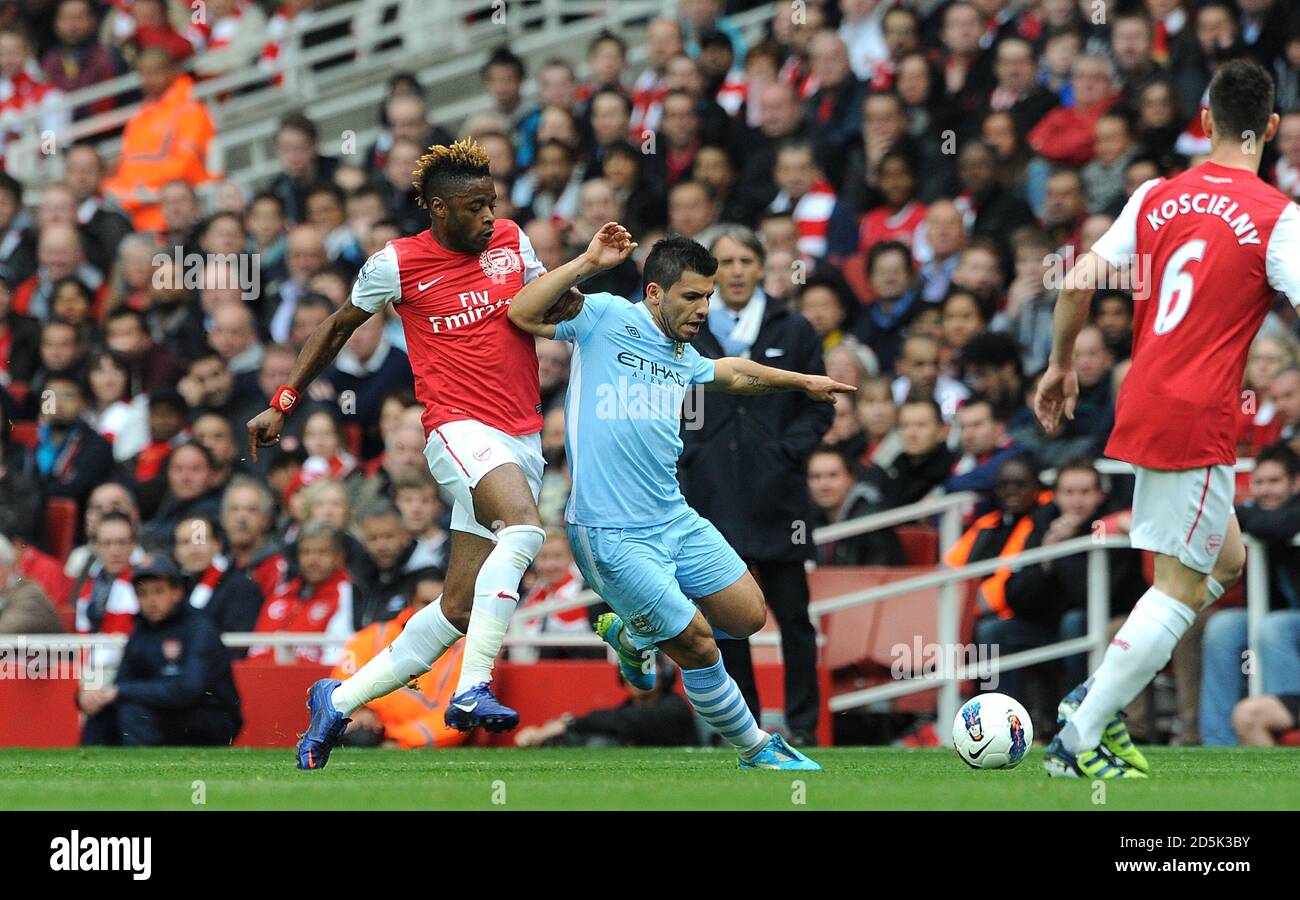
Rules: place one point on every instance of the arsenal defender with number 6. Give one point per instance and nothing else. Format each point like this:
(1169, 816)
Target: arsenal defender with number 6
(476, 374)
(1214, 245)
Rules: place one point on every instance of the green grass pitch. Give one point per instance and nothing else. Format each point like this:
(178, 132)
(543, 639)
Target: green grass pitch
(677, 779)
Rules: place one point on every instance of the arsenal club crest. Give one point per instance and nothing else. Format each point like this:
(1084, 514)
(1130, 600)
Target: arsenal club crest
(171, 650)
(499, 262)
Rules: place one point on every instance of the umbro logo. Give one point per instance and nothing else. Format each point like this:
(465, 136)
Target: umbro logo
(425, 285)
(632, 331)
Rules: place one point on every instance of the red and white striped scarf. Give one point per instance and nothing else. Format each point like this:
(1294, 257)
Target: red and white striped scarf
(208, 581)
(119, 611)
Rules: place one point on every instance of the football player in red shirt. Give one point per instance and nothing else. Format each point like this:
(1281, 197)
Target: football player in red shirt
(476, 374)
(1211, 249)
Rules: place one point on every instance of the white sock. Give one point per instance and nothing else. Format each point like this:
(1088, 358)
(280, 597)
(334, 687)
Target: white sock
(1138, 651)
(496, 593)
(1213, 591)
(426, 637)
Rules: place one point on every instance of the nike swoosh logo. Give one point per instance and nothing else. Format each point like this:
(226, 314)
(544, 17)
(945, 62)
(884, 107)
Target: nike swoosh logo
(464, 708)
(976, 754)
(425, 285)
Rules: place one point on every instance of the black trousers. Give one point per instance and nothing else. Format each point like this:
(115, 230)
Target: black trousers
(137, 725)
(785, 585)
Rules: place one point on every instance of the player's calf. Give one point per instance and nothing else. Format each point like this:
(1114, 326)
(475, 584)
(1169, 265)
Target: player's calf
(718, 701)
(504, 502)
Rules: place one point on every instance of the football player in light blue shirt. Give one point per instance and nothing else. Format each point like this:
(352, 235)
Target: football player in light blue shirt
(660, 566)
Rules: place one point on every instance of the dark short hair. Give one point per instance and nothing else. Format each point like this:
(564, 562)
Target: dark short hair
(995, 409)
(502, 56)
(297, 121)
(314, 301)
(1079, 464)
(1241, 98)
(1112, 294)
(828, 450)
(993, 348)
(126, 312)
(268, 197)
(884, 247)
(672, 256)
(328, 187)
(116, 516)
(605, 36)
(928, 402)
(1021, 459)
(1283, 455)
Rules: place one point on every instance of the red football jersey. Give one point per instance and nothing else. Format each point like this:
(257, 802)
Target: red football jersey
(296, 608)
(470, 361)
(1209, 249)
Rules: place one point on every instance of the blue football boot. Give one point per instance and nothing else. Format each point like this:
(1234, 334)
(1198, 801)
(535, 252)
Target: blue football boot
(326, 727)
(779, 755)
(479, 707)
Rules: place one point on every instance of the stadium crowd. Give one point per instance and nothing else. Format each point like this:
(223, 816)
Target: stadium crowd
(892, 189)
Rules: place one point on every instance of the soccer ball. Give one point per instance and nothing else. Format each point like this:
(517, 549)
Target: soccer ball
(992, 731)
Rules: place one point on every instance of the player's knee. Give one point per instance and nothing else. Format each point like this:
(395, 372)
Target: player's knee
(752, 617)
(1228, 568)
(695, 647)
(522, 541)
(457, 601)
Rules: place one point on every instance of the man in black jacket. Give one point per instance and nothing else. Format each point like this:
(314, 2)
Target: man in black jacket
(743, 464)
(394, 562)
(226, 595)
(925, 463)
(175, 686)
(70, 458)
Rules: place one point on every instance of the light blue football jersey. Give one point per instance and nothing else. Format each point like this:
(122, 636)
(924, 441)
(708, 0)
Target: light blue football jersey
(622, 414)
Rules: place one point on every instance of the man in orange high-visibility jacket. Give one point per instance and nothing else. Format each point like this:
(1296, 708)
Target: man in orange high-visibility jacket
(409, 717)
(1002, 533)
(166, 141)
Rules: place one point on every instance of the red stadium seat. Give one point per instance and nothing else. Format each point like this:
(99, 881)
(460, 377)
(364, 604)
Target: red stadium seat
(868, 639)
(23, 434)
(61, 525)
(920, 544)
(18, 391)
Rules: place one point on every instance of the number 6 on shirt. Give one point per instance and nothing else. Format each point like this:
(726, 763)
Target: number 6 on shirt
(1177, 283)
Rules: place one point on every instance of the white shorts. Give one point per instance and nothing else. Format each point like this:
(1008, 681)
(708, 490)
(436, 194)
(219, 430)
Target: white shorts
(461, 453)
(1183, 513)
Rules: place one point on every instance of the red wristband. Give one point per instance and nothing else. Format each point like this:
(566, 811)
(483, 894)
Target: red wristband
(285, 399)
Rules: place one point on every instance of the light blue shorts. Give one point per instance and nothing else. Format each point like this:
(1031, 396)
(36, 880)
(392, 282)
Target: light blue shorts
(650, 575)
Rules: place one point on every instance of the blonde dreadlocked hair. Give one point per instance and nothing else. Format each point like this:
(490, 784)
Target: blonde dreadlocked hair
(461, 161)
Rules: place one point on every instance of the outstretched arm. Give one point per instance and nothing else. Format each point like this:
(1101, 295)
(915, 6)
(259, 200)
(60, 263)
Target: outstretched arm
(530, 308)
(744, 376)
(319, 351)
(1059, 388)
